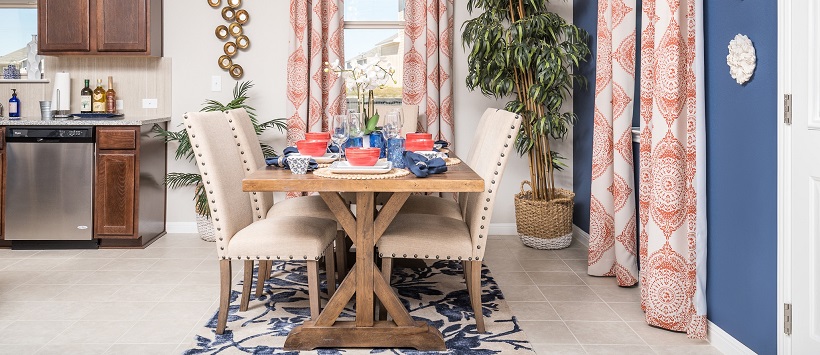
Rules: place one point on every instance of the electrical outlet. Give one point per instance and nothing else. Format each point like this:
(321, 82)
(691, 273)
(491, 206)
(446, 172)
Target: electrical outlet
(216, 83)
(120, 105)
(149, 103)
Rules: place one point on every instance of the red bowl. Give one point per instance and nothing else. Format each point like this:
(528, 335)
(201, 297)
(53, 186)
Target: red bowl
(317, 136)
(362, 156)
(312, 148)
(419, 144)
(417, 136)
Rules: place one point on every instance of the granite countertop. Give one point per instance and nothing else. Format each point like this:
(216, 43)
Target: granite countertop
(120, 121)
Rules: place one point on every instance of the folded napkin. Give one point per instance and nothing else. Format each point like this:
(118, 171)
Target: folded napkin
(421, 167)
(443, 144)
(282, 161)
(332, 149)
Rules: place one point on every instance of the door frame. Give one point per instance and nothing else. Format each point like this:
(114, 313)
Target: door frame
(784, 166)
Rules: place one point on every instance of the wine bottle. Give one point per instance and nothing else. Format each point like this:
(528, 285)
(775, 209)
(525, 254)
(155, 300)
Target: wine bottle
(111, 97)
(85, 98)
(98, 105)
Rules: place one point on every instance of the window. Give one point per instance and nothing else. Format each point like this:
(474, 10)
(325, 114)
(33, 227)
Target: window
(375, 28)
(18, 26)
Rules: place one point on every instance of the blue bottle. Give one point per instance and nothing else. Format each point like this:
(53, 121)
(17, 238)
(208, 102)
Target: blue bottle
(14, 104)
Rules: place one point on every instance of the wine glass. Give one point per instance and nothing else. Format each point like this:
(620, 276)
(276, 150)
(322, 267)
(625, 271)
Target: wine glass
(356, 126)
(392, 124)
(339, 131)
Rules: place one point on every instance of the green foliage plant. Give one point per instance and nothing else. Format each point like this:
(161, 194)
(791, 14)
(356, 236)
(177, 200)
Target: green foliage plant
(184, 151)
(519, 48)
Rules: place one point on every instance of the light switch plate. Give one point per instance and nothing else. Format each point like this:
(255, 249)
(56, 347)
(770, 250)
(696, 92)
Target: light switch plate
(216, 83)
(149, 103)
(120, 105)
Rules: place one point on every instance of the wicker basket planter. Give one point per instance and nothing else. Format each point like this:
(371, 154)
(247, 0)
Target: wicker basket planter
(544, 224)
(205, 228)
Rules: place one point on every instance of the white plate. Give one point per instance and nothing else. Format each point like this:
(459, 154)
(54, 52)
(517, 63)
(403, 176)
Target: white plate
(327, 158)
(343, 167)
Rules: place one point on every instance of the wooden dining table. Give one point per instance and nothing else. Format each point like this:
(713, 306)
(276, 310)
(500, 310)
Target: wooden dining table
(364, 228)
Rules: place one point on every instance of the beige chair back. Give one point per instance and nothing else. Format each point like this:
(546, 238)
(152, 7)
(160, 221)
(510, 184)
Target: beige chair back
(410, 118)
(477, 140)
(222, 174)
(253, 158)
(496, 137)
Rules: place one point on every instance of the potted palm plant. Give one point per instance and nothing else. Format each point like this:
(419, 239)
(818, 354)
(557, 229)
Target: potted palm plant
(184, 151)
(522, 49)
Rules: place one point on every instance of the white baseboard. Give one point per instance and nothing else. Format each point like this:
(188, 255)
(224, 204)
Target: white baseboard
(503, 229)
(180, 227)
(726, 343)
(580, 235)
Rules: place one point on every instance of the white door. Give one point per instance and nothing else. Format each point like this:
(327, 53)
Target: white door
(802, 159)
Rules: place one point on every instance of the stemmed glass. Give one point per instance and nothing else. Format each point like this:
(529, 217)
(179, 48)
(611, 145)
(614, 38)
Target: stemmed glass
(356, 126)
(392, 124)
(340, 131)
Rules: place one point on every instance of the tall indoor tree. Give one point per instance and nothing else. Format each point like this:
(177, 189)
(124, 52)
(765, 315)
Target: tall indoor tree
(519, 48)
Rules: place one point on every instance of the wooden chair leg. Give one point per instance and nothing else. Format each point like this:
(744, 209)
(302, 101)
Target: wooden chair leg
(475, 294)
(313, 288)
(387, 268)
(247, 281)
(224, 295)
(341, 254)
(330, 271)
(467, 266)
(262, 275)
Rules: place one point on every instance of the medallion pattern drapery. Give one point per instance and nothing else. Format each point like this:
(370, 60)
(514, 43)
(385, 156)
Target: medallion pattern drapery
(428, 65)
(316, 37)
(672, 185)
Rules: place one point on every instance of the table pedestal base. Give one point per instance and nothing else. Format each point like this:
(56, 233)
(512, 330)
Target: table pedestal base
(384, 334)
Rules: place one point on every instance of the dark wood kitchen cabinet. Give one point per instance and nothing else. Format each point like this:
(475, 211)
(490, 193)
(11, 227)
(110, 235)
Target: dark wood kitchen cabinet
(115, 184)
(100, 27)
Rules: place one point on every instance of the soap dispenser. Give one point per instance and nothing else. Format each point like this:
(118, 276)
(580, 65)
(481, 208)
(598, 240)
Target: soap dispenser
(14, 104)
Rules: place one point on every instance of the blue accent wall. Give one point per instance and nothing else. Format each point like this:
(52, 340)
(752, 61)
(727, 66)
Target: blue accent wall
(742, 168)
(742, 175)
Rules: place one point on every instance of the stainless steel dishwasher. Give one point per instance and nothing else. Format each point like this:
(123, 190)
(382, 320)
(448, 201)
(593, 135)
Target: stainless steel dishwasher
(49, 183)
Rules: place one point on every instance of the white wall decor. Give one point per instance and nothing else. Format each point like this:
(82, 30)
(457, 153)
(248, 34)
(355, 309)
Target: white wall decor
(741, 59)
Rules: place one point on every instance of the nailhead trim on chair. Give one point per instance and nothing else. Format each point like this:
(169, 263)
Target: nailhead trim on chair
(244, 161)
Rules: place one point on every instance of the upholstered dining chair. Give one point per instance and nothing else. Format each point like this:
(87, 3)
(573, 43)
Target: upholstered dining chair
(263, 204)
(425, 236)
(410, 118)
(435, 205)
(239, 237)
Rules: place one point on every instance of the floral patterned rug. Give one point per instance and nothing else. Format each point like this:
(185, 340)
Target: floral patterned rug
(435, 293)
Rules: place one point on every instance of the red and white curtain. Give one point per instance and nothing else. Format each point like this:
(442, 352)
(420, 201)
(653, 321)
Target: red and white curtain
(672, 163)
(428, 64)
(316, 37)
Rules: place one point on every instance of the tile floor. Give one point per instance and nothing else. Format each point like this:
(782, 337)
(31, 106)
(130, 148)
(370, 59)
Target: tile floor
(151, 301)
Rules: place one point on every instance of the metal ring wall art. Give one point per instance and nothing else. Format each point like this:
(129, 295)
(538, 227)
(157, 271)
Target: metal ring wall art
(233, 34)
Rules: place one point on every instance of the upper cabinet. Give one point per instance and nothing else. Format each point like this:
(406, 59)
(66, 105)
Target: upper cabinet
(100, 27)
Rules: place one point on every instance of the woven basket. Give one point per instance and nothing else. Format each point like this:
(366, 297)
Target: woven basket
(205, 228)
(544, 224)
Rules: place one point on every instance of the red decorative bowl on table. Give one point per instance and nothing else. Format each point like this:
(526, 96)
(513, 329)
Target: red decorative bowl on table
(417, 136)
(362, 156)
(312, 148)
(317, 136)
(418, 144)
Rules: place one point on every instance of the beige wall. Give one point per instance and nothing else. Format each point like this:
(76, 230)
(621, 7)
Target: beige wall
(194, 50)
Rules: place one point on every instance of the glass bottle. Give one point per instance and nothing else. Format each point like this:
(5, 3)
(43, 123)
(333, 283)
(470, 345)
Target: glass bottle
(98, 105)
(14, 104)
(85, 98)
(111, 97)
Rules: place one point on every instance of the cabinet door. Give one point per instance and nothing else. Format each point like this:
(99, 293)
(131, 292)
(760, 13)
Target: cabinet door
(63, 25)
(122, 26)
(115, 195)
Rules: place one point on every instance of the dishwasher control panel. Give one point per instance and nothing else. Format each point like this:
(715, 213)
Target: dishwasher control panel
(50, 132)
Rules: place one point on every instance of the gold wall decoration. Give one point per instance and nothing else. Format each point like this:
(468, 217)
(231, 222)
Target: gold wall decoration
(236, 18)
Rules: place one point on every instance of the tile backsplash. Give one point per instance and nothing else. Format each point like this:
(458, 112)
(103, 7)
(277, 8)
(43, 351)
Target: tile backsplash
(135, 78)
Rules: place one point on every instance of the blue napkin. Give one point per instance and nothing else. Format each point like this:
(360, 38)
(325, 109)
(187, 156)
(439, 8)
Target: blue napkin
(443, 144)
(282, 161)
(332, 149)
(421, 167)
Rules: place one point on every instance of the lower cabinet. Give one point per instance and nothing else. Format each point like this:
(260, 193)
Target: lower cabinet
(115, 196)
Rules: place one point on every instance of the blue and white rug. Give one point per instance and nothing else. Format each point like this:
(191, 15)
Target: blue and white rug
(435, 293)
